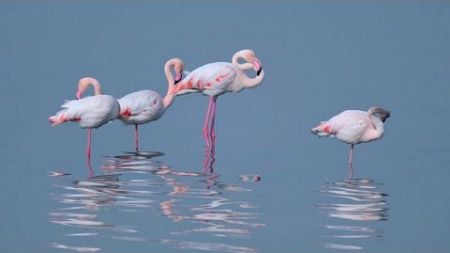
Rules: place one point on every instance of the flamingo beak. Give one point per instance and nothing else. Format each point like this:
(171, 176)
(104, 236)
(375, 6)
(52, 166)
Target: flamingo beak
(257, 66)
(178, 78)
(259, 71)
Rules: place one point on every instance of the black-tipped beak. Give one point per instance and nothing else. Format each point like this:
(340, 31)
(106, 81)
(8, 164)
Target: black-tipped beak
(178, 78)
(259, 71)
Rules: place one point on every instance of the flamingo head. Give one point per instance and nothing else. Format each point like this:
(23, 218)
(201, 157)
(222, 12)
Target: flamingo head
(250, 57)
(380, 113)
(178, 67)
(79, 94)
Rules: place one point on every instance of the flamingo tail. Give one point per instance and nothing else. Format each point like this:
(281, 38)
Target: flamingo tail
(322, 130)
(57, 119)
(183, 88)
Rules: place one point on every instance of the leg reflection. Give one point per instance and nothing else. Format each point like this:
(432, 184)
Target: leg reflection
(352, 208)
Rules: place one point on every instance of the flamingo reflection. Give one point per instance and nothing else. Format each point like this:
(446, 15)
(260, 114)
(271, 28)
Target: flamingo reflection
(357, 203)
(142, 184)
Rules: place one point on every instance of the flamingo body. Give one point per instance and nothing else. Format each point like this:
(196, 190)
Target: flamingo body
(212, 79)
(351, 127)
(215, 79)
(144, 106)
(354, 127)
(141, 107)
(89, 112)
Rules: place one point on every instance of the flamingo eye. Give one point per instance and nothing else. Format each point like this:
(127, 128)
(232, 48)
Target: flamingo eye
(153, 102)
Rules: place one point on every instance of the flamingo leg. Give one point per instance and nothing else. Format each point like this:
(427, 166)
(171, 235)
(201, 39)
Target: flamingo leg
(88, 149)
(207, 120)
(350, 162)
(88, 152)
(89, 167)
(213, 131)
(209, 135)
(136, 137)
(206, 162)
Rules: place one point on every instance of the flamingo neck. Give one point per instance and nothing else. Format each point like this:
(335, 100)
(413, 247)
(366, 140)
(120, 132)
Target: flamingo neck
(241, 66)
(97, 89)
(169, 98)
(377, 128)
(253, 82)
(84, 83)
(246, 81)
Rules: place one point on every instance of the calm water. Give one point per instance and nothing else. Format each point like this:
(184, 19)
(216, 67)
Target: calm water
(274, 185)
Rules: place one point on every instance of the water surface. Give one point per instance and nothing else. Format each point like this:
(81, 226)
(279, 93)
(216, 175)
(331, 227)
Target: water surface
(271, 184)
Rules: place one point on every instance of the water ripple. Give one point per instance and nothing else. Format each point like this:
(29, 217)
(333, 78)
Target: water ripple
(207, 246)
(357, 201)
(137, 184)
(74, 248)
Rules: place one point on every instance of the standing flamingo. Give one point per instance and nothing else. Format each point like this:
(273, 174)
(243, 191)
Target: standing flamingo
(215, 79)
(354, 127)
(90, 112)
(146, 105)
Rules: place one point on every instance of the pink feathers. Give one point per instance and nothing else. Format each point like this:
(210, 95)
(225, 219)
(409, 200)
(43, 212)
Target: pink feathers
(354, 127)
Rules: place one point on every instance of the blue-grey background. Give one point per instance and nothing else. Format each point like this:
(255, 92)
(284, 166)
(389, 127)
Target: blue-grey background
(320, 57)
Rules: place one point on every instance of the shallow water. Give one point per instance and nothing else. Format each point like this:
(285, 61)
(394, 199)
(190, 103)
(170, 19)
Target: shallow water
(269, 184)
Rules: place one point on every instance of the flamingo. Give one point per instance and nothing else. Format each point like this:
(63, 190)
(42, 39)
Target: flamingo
(90, 112)
(215, 79)
(354, 127)
(146, 105)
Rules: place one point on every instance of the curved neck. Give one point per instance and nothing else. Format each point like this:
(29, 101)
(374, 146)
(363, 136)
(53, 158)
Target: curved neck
(378, 126)
(247, 82)
(84, 83)
(97, 89)
(169, 98)
(242, 66)
(253, 82)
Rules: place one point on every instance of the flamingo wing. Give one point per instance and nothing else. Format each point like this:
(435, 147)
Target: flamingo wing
(91, 112)
(212, 79)
(141, 107)
(349, 126)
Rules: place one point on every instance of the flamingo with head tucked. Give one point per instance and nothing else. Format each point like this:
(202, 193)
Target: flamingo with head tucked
(90, 112)
(215, 79)
(354, 127)
(146, 105)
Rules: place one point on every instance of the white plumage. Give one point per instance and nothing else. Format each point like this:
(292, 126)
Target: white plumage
(144, 106)
(90, 112)
(354, 127)
(212, 79)
(141, 107)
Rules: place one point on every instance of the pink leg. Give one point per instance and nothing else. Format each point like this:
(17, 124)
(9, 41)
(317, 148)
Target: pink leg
(350, 162)
(89, 166)
(213, 131)
(88, 153)
(209, 134)
(136, 137)
(207, 119)
(88, 149)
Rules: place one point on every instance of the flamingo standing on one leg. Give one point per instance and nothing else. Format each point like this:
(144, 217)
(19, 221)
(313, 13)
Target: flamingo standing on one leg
(146, 105)
(354, 127)
(215, 79)
(90, 112)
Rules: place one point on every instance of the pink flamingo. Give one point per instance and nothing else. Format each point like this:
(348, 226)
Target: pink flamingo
(354, 127)
(90, 112)
(146, 105)
(215, 79)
